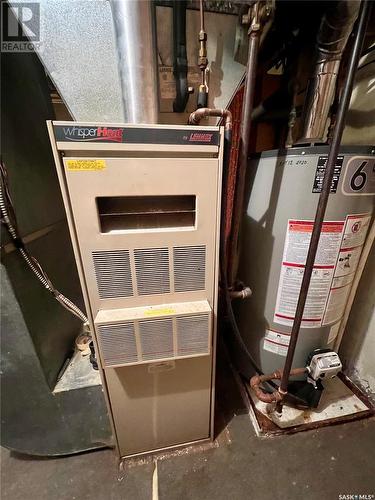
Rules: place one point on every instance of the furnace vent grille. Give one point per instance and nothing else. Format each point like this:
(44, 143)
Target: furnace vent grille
(118, 345)
(156, 338)
(189, 268)
(193, 334)
(113, 274)
(152, 269)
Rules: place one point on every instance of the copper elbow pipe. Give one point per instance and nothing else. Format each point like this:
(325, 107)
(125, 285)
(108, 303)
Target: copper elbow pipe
(276, 396)
(199, 114)
(245, 293)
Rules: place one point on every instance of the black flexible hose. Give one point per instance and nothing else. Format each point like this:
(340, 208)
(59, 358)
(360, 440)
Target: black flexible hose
(223, 259)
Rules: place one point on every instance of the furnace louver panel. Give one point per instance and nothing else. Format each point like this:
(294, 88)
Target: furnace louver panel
(189, 268)
(156, 338)
(117, 342)
(113, 274)
(193, 334)
(152, 270)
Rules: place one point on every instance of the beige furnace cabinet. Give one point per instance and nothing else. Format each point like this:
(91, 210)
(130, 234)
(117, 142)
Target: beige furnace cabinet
(143, 206)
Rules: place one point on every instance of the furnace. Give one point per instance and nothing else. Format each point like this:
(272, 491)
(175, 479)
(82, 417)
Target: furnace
(143, 206)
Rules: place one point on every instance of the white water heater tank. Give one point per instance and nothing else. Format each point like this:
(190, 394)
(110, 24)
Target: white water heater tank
(283, 191)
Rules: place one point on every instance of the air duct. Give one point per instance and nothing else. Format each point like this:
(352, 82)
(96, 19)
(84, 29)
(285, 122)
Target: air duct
(136, 50)
(334, 31)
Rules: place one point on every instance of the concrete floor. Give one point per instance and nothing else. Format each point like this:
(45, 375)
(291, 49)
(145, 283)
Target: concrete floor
(319, 464)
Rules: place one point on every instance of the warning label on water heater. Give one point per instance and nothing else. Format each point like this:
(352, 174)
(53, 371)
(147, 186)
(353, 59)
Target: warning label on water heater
(333, 272)
(354, 235)
(276, 342)
(293, 267)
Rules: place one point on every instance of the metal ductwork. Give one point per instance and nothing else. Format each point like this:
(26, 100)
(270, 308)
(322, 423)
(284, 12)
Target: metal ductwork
(136, 49)
(334, 31)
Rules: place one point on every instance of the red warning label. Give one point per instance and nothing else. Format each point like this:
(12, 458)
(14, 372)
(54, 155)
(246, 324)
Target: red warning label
(293, 267)
(339, 250)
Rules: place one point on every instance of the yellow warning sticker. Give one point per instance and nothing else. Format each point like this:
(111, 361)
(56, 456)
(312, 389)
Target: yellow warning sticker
(160, 312)
(85, 164)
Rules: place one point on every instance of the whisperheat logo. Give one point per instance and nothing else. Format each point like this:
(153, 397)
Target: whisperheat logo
(93, 134)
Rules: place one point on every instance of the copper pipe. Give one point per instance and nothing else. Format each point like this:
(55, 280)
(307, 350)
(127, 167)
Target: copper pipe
(324, 195)
(201, 14)
(245, 293)
(276, 396)
(202, 60)
(199, 114)
(247, 109)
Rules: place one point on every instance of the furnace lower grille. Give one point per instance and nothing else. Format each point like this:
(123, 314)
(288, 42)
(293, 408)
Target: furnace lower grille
(158, 339)
(118, 343)
(192, 335)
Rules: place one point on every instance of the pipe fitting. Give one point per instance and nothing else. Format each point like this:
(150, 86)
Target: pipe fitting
(245, 293)
(279, 394)
(199, 114)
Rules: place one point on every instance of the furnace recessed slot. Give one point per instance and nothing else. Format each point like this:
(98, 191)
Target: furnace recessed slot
(120, 213)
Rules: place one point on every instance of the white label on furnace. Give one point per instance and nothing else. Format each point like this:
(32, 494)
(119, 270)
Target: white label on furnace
(167, 82)
(293, 266)
(276, 342)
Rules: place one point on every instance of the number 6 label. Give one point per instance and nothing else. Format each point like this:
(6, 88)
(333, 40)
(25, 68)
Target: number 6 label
(359, 177)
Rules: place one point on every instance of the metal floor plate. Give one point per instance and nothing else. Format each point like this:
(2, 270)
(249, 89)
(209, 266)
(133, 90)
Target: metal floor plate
(78, 374)
(340, 402)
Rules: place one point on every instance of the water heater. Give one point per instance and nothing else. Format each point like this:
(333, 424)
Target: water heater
(143, 206)
(283, 189)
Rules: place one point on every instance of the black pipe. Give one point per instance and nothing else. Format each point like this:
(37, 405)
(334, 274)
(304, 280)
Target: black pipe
(326, 188)
(225, 114)
(180, 63)
(224, 257)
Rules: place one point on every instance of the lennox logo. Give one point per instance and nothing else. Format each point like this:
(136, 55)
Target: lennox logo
(86, 134)
(200, 137)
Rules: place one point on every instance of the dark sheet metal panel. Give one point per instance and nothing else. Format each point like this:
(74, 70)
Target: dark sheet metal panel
(33, 419)
(37, 334)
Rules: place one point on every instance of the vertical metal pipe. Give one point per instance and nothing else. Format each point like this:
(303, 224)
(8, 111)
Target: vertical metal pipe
(323, 199)
(247, 108)
(136, 49)
(334, 31)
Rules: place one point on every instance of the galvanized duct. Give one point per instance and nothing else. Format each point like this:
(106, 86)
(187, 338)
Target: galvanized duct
(334, 31)
(136, 49)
